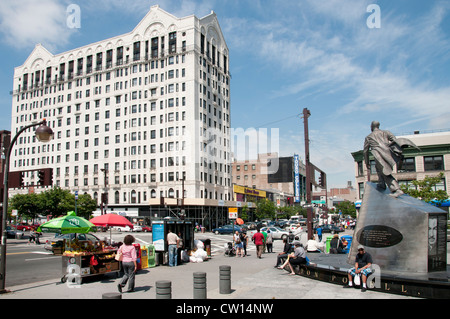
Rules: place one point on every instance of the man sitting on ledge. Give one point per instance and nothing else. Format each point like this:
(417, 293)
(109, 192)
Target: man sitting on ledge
(363, 261)
(298, 257)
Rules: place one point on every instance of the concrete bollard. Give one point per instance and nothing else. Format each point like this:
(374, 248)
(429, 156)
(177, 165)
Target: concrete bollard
(225, 279)
(199, 285)
(163, 289)
(112, 295)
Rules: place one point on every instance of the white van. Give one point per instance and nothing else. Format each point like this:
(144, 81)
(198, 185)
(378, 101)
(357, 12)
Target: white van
(295, 218)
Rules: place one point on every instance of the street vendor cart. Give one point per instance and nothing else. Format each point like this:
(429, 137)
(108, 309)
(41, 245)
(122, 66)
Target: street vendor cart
(76, 266)
(81, 258)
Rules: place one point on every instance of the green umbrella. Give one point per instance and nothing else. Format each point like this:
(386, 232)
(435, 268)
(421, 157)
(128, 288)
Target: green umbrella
(68, 224)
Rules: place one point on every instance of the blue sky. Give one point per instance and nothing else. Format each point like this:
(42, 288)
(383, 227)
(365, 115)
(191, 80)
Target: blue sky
(284, 56)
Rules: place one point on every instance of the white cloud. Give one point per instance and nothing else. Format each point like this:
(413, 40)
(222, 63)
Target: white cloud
(27, 22)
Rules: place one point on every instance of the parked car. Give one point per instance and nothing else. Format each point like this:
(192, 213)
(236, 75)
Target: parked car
(277, 233)
(146, 228)
(330, 228)
(295, 228)
(249, 225)
(123, 228)
(24, 227)
(10, 232)
(59, 238)
(137, 228)
(227, 229)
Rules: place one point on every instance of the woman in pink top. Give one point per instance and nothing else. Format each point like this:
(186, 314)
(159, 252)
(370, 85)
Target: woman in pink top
(128, 263)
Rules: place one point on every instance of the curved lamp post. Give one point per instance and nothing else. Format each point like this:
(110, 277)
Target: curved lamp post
(43, 134)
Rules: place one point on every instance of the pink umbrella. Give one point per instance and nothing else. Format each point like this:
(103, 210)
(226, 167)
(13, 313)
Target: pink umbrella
(111, 220)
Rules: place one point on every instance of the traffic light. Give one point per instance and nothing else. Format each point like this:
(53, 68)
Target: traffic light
(41, 177)
(21, 181)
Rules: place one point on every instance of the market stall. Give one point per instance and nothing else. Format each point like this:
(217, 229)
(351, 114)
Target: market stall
(81, 258)
(84, 258)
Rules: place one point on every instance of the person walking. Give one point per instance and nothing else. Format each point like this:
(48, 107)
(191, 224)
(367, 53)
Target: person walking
(269, 242)
(172, 241)
(238, 244)
(258, 239)
(129, 264)
(244, 239)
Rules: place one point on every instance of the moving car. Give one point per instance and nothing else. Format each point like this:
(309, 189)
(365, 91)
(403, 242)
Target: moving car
(146, 228)
(227, 229)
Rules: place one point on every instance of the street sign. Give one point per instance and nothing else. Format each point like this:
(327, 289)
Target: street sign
(232, 212)
(76, 194)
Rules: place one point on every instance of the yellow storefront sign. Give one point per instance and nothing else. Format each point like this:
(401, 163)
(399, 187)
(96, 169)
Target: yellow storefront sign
(248, 191)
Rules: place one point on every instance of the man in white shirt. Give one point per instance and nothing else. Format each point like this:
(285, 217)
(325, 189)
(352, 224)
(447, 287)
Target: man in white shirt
(172, 241)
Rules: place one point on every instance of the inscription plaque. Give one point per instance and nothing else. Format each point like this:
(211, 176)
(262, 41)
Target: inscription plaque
(437, 238)
(379, 236)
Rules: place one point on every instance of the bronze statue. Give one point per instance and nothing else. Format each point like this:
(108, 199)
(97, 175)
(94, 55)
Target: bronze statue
(387, 151)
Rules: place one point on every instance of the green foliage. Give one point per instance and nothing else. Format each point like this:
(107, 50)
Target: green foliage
(265, 209)
(425, 189)
(347, 208)
(54, 202)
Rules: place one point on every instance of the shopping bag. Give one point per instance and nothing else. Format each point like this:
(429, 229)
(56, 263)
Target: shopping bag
(119, 256)
(357, 279)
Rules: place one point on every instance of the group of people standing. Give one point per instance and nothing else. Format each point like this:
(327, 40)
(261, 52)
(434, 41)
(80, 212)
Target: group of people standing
(261, 241)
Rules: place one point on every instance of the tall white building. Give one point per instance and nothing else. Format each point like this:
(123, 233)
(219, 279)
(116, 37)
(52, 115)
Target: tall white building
(133, 115)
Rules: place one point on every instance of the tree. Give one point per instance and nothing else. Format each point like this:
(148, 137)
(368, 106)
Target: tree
(57, 202)
(347, 208)
(265, 209)
(85, 205)
(28, 205)
(425, 189)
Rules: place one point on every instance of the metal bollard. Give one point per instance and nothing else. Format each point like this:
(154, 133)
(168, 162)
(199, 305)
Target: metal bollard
(199, 285)
(225, 279)
(112, 295)
(163, 289)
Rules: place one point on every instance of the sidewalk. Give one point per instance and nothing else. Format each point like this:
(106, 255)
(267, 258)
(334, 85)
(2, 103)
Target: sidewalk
(251, 278)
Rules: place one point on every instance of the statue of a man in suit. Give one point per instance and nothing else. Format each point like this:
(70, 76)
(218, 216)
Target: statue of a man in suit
(386, 152)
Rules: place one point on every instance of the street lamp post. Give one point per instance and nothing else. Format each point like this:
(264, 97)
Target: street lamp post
(43, 134)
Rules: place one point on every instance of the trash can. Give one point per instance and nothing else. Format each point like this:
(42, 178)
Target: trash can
(348, 238)
(327, 247)
(151, 256)
(203, 229)
(207, 244)
(144, 257)
(19, 235)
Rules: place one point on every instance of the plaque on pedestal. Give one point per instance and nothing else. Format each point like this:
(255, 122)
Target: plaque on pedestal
(402, 234)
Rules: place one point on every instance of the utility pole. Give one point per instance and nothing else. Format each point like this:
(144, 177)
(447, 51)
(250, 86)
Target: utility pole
(309, 216)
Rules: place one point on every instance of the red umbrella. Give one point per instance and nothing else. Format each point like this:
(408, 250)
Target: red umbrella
(111, 220)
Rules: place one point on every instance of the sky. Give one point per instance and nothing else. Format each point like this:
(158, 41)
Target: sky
(348, 62)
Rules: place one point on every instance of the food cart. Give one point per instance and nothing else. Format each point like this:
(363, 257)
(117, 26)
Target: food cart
(84, 258)
(81, 258)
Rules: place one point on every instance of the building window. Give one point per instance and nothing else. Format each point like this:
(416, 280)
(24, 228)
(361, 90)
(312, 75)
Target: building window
(407, 165)
(433, 163)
